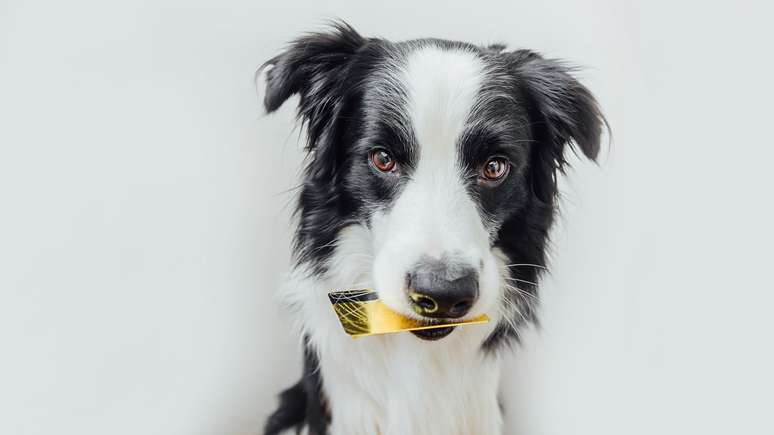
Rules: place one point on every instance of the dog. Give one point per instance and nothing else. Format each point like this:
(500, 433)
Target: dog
(431, 178)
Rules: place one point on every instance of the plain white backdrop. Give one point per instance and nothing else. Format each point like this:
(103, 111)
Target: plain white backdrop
(144, 213)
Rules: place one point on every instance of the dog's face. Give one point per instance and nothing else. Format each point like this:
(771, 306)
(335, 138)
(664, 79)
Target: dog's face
(447, 153)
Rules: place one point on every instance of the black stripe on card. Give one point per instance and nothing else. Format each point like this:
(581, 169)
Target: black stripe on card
(352, 296)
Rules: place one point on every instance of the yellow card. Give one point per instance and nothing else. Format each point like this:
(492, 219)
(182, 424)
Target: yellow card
(361, 313)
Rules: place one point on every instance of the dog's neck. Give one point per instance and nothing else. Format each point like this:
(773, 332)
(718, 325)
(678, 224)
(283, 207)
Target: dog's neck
(398, 384)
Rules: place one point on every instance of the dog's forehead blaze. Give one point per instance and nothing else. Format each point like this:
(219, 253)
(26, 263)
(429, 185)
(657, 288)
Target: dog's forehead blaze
(442, 86)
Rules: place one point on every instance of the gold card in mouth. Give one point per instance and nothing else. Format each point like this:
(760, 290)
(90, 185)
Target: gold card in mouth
(361, 313)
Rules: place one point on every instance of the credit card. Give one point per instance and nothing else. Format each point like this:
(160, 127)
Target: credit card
(361, 313)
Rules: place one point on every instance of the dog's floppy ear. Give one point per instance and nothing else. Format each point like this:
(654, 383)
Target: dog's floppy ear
(312, 67)
(568, 116)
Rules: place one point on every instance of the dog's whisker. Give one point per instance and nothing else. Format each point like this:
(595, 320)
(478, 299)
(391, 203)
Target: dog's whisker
(522, 292)
(361, 287)
(540, 266)
(330, 244)
(530, 296)
(352, 295)
(510, 304)
(522, 280)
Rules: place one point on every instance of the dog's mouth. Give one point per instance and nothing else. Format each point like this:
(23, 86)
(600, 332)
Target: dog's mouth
(433, 334)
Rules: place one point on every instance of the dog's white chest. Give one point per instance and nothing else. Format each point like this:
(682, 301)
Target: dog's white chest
(399, 385)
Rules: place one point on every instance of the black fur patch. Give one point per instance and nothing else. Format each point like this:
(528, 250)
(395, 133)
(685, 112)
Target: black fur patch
(303, 404)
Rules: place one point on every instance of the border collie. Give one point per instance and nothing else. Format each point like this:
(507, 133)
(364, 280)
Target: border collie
(432, 170)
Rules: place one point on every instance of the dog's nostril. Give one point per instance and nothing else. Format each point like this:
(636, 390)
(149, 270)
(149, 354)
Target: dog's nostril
(424, 304)
(461, 308)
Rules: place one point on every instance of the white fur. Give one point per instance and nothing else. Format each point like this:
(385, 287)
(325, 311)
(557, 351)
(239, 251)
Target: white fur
(434, 214)
(398, 384)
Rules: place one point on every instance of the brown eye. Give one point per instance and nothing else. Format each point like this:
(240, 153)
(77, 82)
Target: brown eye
(495, 169)
(382, 160)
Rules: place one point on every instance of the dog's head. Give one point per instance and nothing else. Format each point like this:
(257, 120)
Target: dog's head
(446, 152)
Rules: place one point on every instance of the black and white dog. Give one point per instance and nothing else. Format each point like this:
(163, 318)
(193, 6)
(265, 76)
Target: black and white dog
(432, 170)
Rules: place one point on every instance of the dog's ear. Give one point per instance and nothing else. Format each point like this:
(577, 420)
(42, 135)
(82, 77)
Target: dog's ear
(313, 67)
(568, 116)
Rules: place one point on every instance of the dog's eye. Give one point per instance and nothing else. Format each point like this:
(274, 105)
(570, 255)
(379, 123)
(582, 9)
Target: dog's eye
(382, 160)
(495, 169)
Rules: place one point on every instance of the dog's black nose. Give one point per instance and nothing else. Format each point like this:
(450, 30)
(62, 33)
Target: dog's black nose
(438, 289)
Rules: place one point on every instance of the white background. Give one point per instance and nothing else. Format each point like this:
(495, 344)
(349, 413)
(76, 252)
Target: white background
(144, 215)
